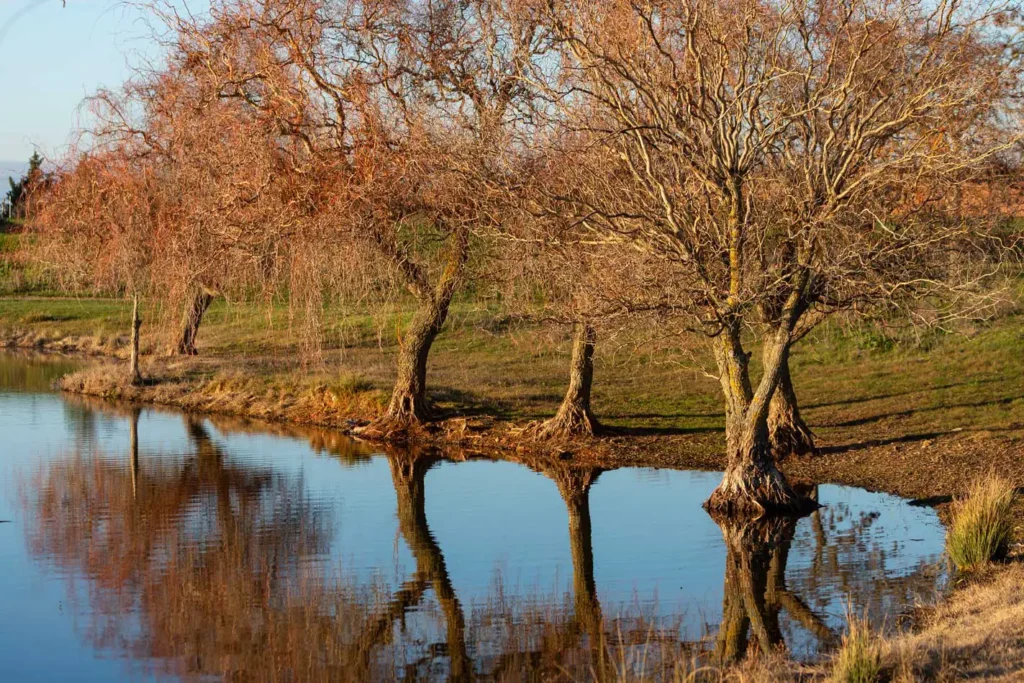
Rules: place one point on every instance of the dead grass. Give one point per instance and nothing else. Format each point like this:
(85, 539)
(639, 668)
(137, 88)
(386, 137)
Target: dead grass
(89, 345)
(776, 668)
(977, 634)
(316, 399)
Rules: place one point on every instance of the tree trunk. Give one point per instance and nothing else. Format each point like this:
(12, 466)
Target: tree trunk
(752, 485)
(408, 406)
(574, 417)
(133, 440)
(409, 403)
(787, 431)
(190, 326)
(136, 374)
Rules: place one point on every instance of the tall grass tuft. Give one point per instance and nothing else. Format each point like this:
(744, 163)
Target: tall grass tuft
(982, 524)
(859, 659)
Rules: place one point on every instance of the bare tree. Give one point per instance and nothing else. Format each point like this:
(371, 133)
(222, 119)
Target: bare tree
(542, 259)
(555, 271)
(783, 160)
(222, 177)
(400, 111)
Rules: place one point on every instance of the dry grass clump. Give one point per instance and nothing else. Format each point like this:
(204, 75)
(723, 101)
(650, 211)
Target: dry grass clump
(775, 668)
(97, 344)
(289, 396)
(859, 659)
(982, 524)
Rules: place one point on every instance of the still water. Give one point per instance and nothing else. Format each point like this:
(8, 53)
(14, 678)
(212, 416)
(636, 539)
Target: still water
(148, 544)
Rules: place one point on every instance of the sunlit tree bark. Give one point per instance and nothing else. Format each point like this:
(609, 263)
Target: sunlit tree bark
(575, 417)
(193, 318)
(133, 369)
(787, 431)
(409, 404)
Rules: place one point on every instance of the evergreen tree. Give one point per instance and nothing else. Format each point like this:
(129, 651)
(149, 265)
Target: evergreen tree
(19, 190)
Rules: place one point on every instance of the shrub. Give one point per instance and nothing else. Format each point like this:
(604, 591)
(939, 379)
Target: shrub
(982, 524)
(859, 659)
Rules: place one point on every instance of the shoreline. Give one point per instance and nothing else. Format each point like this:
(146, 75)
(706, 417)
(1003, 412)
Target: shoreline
(927, 469)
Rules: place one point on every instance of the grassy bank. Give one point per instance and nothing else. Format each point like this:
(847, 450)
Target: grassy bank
(860, 391)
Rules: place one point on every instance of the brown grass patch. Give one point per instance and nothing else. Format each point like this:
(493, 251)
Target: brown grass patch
(283, 397)
(977, 634)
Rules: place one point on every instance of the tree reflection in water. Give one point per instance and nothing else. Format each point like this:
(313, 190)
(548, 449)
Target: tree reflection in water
(196, 565)
(408, 471)
(200, 566)
(574, 486)
(755, 589)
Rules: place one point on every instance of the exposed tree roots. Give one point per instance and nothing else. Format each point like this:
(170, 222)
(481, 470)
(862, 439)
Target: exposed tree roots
(574, 417)
(787, 431)
(405, 416)
(790, 435)
(572, 420)
(751, 490)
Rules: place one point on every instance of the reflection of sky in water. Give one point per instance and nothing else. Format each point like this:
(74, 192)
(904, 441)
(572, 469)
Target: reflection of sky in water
(495, 522)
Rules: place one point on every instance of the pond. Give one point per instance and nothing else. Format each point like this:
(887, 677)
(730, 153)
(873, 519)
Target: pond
(140, 543)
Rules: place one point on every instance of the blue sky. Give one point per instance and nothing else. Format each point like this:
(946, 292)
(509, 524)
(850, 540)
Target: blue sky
(51, 58)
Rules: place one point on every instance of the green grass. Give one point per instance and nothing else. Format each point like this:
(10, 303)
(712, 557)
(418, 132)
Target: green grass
(853, 389)
(982, 524)
(65, 316)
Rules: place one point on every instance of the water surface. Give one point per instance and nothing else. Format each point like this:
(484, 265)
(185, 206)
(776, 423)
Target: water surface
(147, 543)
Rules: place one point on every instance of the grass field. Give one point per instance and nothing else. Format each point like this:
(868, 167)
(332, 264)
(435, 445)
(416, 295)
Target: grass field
(852, 384)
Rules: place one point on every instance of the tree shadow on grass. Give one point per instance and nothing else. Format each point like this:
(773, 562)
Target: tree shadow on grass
(452, 402)
(659, 431)
(930, 501)
(882, 397)
(856, 422)
(664, 416)
(878, 443)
